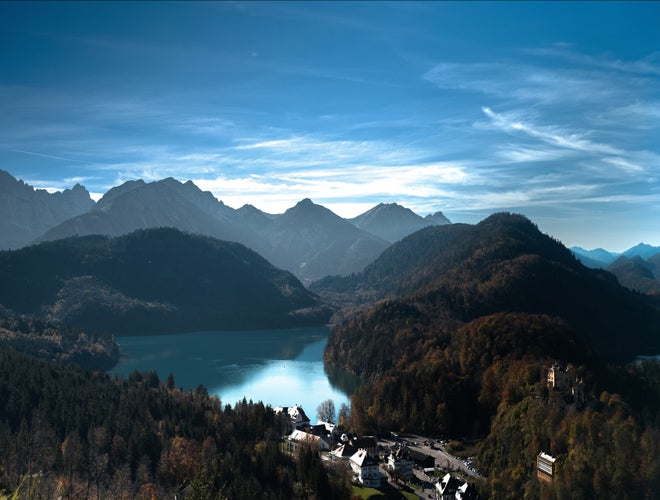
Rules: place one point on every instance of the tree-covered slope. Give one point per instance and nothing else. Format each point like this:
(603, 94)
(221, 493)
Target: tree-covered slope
(461, 272)
(153, 281)
(469, 321)
(67, 433)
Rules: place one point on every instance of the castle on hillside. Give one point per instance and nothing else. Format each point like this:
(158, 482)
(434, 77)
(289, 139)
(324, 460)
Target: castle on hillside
(564, 387)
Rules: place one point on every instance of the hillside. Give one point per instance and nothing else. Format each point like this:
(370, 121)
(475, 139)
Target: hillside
(26, 213)
(153, 281)
(466, 323)
(461, 272)
(53, 341)
(67, 433)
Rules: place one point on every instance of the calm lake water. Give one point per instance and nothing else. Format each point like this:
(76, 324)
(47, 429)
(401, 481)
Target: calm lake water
(278, 367)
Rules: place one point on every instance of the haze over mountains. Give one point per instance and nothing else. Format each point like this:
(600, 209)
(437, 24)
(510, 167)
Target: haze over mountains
(308, 239)
(638, 268)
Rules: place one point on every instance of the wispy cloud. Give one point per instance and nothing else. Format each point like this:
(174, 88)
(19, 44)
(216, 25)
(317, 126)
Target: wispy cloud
(649, 65)
(514, 153)
(334, 185)
(524, 82)
(555, 136)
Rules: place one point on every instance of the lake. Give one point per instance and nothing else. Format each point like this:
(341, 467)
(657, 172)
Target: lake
(279, 367)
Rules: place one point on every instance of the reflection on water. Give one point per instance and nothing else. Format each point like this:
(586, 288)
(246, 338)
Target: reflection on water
(278, 367)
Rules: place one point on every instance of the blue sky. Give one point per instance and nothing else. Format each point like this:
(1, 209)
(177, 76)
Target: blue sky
(551, 109)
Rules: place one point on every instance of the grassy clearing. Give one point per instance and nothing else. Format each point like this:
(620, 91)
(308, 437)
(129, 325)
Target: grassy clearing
(388, 492)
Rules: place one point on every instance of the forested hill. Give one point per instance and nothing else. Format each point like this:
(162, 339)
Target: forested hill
(459, 272)
(153, 281)
(67, 433)
(472, 318)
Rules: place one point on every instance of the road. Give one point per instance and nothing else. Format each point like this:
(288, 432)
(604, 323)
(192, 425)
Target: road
(425, 485)
(443, 459)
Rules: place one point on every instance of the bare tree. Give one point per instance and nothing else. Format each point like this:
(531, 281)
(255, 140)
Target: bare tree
(344, 415)
(326, 411)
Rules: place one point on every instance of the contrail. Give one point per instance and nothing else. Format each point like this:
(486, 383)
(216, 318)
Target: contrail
(46, 156)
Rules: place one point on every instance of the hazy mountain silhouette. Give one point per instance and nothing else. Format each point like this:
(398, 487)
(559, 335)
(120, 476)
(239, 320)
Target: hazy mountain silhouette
(308, 240)
(637, 273)
(598, 257)
(153, 281)
(642, 250)
(392, 222)
(603, 258)
(312, 242)
(438, 219)
(166, 203)
(26, 213)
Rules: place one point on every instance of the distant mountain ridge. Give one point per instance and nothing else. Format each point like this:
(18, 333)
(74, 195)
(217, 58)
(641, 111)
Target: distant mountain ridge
(642, 250)
(26, 213)
(636, 273)
(638, 268)
(308, 239)
(312, 241)
(153, 281)
(603, 258)
(597, 257)
(393, 222)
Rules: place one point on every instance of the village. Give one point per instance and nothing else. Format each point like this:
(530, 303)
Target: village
(416, 465)
(412, 465)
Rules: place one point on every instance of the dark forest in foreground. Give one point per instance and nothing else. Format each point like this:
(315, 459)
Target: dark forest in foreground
(74, 434)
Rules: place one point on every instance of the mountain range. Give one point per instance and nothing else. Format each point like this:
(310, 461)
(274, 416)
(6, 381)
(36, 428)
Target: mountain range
(308, 239)
(638, 268)
(27, 213)
(153, 281)
(393, 222)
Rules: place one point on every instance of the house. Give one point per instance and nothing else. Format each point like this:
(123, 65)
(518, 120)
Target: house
(421, 459)
(297, 419)
(399, 463)
(345, 451)
(368, 443)
(466, 492)
(446, 488)
(300, 438)
(351, 444)
(545, 467)
(365, 469)
(327, 430)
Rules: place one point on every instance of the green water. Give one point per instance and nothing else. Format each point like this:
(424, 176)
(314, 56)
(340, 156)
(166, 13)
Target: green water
(278, 367)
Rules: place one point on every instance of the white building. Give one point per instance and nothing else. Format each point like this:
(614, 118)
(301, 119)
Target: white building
(399, 463)
(365, 469)
(297, 419)
(300, 438)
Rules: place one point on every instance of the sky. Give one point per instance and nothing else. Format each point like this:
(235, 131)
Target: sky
(548, 109)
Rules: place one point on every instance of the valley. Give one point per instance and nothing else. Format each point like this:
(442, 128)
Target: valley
(437, 328)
